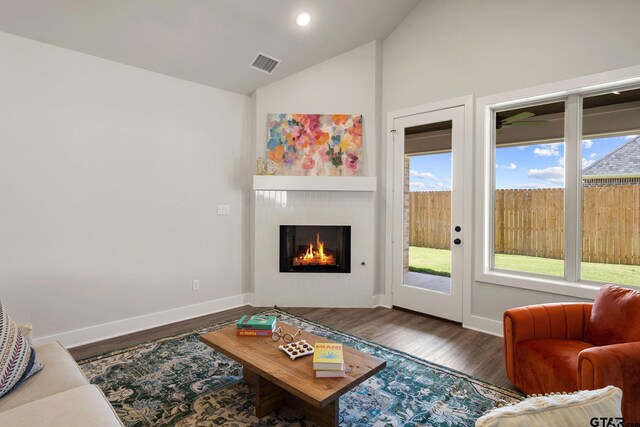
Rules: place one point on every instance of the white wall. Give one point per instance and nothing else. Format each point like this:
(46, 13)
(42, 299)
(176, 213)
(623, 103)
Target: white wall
(446, 49)
(349, 84)
(109, 181)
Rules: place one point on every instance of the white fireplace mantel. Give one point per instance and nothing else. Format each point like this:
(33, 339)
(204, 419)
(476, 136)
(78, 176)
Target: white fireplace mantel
(314, 183)
(274, 208)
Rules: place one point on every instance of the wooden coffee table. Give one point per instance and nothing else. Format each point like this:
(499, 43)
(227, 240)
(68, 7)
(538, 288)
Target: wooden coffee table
(279, 381)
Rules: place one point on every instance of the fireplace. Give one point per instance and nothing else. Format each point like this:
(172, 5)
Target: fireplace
(315, 249)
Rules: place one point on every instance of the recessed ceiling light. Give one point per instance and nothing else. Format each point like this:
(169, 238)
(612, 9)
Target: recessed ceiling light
(615, 92)
(303, 19)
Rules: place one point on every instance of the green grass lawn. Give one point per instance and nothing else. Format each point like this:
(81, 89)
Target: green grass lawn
(437, 261)
(430, 261)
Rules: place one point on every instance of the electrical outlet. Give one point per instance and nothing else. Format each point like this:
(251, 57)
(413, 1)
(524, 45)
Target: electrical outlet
(195, 285)
(224, 209)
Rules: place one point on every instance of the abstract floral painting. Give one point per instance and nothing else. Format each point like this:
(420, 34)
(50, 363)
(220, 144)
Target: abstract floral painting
(316, 144)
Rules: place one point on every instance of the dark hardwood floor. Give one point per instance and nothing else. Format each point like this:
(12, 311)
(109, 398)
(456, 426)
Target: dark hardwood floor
(124, 341)
(446, 343)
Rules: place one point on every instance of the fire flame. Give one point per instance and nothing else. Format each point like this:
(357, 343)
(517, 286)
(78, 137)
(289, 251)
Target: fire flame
(317, 256)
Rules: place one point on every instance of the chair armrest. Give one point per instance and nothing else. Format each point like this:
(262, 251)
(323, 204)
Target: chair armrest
(609, 365)
(617, 365)
(543, 321)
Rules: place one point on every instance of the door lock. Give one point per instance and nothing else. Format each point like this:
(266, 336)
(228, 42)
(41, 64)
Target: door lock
(457, 241)
(458, 228)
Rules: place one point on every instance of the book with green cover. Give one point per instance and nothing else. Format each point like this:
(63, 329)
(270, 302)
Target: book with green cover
(328, 356)
(257, 321)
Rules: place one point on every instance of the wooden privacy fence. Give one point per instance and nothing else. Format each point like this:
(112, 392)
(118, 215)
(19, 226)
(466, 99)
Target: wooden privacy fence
(531, 222)
(430, 219)
(611, 224)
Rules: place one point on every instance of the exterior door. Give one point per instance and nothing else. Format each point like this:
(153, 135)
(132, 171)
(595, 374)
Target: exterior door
(428, 215)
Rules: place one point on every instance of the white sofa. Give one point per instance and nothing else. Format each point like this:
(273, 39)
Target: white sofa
(58, 395)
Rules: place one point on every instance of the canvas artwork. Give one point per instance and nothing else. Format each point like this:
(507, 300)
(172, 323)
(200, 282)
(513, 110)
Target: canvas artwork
(316, 144)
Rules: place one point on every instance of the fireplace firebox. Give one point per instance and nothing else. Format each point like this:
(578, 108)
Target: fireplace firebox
(315, 249)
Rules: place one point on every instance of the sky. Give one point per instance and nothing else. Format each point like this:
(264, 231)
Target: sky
(530, 166)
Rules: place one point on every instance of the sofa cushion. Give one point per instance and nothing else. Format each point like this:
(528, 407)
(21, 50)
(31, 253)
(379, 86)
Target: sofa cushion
(81, 406)
(575, 409)
(548, 365)
(17, 358)
(61, 373)
(615, 316)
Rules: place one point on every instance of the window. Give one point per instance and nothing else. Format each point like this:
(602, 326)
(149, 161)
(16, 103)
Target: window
(529, 193)
(561, 180)
(611, 188)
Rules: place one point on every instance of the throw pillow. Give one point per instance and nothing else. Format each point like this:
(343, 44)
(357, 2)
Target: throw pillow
(574, 409)
(17, 358)
(26, 329)
(615, 316)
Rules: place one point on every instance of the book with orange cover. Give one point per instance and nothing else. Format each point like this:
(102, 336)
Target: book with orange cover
(252, 333)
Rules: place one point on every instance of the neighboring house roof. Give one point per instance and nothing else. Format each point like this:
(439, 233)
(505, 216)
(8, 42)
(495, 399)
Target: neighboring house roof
(625, 160)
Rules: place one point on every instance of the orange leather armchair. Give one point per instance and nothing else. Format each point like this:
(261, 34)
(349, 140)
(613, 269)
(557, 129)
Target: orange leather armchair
(574, 346)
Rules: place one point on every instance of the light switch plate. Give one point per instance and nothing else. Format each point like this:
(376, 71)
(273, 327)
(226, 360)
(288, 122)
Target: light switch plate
(224, 209)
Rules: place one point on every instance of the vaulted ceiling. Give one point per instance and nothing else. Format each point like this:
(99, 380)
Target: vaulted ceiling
(206, 41)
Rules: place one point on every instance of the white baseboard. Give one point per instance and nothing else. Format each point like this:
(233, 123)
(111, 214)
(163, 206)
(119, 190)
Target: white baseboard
(382, 300)
(250, 298)
(90, 334)
(77, 337)
(483, 324)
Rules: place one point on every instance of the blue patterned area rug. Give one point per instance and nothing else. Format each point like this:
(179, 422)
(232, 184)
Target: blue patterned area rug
(178, 381)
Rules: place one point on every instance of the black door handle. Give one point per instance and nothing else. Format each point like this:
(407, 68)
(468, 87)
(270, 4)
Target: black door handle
(457, 228)
(457, 241)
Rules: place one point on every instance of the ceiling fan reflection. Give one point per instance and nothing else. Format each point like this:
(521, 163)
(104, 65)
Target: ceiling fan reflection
(519, 120)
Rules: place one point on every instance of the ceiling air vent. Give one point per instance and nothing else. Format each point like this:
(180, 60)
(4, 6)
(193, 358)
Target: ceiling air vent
(264, 63)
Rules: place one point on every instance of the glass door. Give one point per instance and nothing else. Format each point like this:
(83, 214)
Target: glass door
(428, 235)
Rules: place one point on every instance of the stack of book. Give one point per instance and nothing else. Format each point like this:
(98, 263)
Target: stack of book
(328, 361)
(256, 326)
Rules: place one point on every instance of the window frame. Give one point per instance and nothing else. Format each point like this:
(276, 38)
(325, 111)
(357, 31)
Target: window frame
(572, 93)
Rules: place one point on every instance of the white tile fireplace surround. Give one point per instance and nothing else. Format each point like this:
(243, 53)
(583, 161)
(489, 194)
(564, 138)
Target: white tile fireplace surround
(273, 208)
